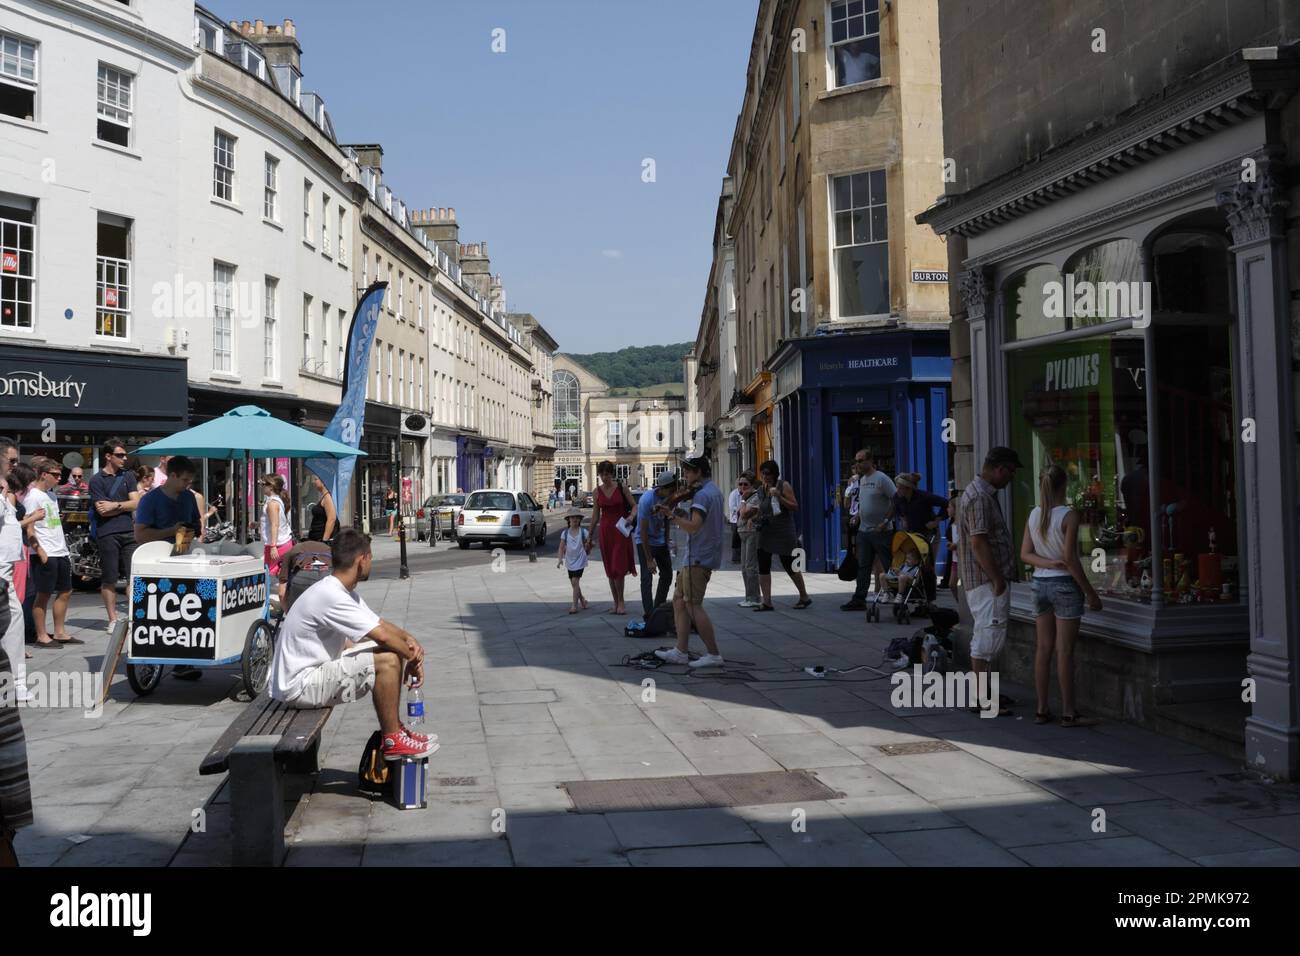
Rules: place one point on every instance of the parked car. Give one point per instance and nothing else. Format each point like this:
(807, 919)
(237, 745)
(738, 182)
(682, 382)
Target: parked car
(587, 500)
(495, 516)
(446, 507)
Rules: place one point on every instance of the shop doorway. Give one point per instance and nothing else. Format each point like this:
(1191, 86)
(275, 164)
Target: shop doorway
(851, 432)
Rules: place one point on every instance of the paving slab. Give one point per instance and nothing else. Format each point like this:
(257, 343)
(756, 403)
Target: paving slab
(663, 828)
(957, 846)
(563, 840)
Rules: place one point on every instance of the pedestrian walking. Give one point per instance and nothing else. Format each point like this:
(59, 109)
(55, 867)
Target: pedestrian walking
(11, 559)
(748, 530)
(651, 540)
(875, 498)
(277, 529)
(52, 567)
(987, 563)
(575, 547)
(704, 521)
(1051, 545)
(733, 521)
(324, 516)
(332, 649)
(114, 495)
(612, 505)
(390, 509)
(777, 534)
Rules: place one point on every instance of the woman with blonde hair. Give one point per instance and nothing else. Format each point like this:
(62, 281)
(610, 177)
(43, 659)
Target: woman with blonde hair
(1051, 545)
(277, 532)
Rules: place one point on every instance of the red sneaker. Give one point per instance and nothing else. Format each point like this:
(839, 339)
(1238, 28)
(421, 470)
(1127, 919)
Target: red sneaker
(401, 745)
(418, 738)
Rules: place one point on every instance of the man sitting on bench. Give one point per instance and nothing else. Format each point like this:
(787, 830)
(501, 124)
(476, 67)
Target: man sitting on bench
(333, 649)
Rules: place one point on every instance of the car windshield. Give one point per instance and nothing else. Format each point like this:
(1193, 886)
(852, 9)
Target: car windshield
(457, 500)
(490, 501)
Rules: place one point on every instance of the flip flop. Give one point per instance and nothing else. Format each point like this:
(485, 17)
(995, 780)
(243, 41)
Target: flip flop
(765, 607)
(69, 640)
(1078, 720)
(1046, 717)
(573, 610)
(803, 604)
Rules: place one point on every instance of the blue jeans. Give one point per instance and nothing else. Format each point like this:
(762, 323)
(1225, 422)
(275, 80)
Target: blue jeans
(872, 545)
(1058, 595)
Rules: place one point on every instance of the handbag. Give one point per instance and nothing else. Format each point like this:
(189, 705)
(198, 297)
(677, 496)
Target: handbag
(848, 569)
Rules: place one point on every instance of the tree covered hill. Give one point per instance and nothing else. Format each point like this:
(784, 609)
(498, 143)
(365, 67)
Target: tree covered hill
(637, 366)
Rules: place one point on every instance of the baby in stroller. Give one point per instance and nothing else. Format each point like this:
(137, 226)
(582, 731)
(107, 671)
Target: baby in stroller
(905, 584)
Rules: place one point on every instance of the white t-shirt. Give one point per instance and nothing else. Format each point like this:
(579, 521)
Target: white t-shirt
(316, 630)
(49, 530)
(284, 532)
(575, 552)
(733, 506)
(11, 535)
(1051, 545)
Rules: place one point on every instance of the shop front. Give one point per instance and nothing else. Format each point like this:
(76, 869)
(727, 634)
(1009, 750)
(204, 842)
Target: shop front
(887, 392)
(471, 463)
(442, 463)
(64, 404)
(233, 486)
(380, 469)
(759, 435)
(415, 436)
(1138, 333)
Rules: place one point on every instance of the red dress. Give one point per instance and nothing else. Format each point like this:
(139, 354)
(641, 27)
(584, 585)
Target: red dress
(615, 550)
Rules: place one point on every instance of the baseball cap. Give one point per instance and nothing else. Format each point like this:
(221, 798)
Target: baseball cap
(1001, 455)
(666, 479)
(699, 463)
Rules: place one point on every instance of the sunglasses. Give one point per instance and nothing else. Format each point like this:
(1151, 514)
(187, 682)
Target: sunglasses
(117, 454)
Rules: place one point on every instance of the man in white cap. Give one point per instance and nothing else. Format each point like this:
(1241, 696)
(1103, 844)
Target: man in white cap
(704, 520)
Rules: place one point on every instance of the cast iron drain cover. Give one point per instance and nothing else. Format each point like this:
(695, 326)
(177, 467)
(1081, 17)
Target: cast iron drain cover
(710, 733)
(457, 781)
(922, 747)
(682, 793)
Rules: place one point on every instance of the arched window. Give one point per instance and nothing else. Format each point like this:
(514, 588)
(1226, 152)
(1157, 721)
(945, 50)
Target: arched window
(1107, 283)
(568, 411)
(1032, 304)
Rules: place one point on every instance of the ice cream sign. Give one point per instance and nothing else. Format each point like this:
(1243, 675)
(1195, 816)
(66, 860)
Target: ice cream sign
(174, 618)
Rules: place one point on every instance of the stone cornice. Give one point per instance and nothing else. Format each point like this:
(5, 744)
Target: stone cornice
(125, 23)
(1228, 96)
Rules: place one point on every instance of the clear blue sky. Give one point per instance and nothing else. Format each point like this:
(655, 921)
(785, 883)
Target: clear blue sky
(540, 148)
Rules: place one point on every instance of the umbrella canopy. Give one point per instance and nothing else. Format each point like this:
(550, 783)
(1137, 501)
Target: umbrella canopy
(249, 432)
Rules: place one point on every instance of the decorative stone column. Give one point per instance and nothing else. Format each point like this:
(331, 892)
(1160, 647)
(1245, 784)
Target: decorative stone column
(1270, 553)
(976, 287)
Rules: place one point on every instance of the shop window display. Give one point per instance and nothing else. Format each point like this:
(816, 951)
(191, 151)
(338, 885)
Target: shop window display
(1083, 404)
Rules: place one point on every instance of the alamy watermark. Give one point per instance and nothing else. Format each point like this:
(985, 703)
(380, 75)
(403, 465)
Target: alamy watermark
(961, 690)
(57, 690)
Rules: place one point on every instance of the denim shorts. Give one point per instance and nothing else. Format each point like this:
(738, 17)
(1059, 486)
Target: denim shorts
(1060, 596)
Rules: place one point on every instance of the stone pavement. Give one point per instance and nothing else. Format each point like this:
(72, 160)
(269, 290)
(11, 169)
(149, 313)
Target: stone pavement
(524, 697)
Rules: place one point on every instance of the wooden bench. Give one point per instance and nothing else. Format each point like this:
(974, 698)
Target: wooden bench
(266, 740)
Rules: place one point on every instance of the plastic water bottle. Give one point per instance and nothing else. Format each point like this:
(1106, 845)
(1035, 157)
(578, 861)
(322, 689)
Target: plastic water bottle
(415, 706)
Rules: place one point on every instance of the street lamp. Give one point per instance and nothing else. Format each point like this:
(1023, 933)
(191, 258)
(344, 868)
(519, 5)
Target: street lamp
(404, 571)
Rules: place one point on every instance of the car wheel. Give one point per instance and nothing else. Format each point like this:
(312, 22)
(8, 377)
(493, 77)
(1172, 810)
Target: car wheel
(464, 545)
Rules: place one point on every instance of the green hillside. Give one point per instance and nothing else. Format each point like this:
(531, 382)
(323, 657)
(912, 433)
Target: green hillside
(637, 366)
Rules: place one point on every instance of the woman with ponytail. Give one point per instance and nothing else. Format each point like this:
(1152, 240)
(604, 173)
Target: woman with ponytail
(1051, 545)
(277, 532)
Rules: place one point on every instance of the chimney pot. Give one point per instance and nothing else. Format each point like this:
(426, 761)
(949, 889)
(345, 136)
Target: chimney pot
(485, 249)
(248, 28)
(289, 29)
(259, 26)
(451, 212)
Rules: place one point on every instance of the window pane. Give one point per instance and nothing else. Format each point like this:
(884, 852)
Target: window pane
(879, 223)
(1029, 300)
(839, 31)
(1082, 405)
(863, 276)
(857, 61)
(1107, 282)
(877, 187)
(1192, 273)
(842, 191)
(844, 229)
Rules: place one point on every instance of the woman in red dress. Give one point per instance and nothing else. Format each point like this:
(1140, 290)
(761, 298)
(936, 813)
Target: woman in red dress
(612, 502)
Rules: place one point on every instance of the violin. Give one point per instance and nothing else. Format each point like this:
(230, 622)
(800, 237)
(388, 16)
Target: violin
(685, 493)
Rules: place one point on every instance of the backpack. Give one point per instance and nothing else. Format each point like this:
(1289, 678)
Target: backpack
(307, 568)
(374, 779)
(660, 622)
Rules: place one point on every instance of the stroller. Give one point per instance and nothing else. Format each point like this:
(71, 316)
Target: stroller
(913, 591)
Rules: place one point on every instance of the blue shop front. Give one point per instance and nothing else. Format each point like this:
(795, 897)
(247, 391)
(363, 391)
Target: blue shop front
(887, 391)
(470, 459)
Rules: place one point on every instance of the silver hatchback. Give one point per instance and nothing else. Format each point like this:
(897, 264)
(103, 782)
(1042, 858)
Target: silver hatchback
(497, 516)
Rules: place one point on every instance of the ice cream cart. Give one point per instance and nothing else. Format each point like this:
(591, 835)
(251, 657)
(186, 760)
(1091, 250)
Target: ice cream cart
(199, 609)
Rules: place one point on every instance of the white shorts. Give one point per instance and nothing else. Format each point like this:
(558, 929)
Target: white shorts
(349, 678)
(990, 614)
